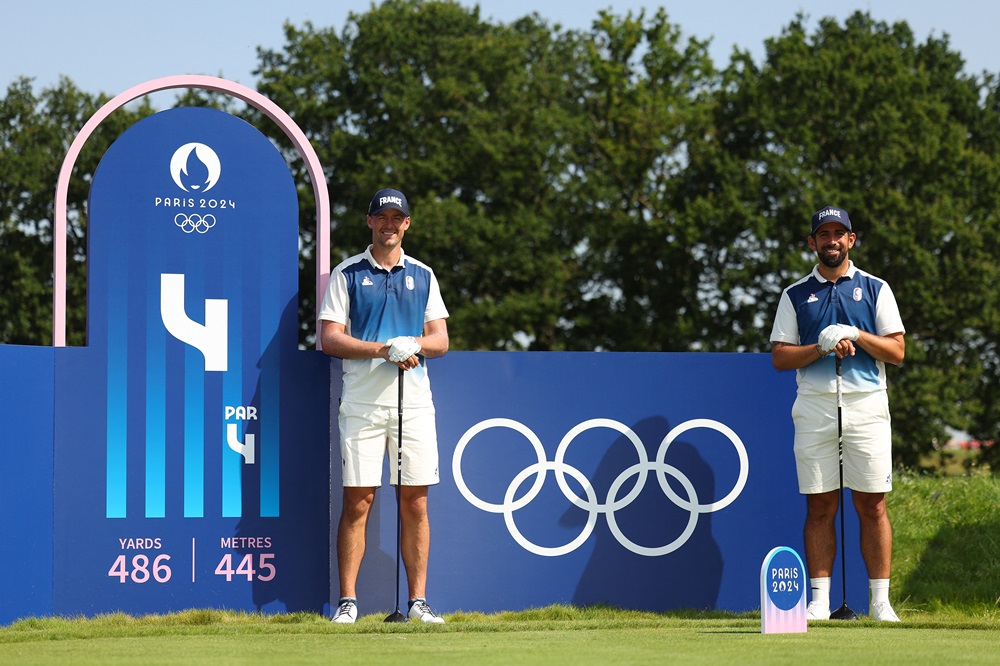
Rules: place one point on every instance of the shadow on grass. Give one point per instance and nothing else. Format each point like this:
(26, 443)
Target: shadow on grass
(960, 566)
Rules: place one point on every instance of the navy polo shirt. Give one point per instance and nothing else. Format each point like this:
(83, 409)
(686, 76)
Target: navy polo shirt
(376, 305)
(813, 303)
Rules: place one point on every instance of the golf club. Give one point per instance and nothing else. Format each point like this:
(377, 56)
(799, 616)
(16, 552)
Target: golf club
(844, 612)
(397, 616)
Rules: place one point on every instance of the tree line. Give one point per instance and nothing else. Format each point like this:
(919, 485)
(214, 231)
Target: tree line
(609, 188)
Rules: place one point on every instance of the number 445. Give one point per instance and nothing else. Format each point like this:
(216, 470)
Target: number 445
(246, 568)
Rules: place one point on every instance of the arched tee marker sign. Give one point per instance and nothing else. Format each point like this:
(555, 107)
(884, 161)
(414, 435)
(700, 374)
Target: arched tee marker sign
(782, 593)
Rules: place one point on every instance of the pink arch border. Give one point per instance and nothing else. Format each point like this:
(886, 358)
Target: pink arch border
(248, 95)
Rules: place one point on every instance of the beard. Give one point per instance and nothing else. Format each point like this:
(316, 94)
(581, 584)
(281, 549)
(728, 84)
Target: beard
(832, 261)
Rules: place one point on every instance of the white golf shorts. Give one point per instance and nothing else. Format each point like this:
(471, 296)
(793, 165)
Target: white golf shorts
(368, 433)
(867, 442)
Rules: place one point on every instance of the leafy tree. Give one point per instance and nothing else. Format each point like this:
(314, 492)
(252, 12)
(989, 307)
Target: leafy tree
(862, 117)
(527, 153)
(640, 93)
(607, 188)
(465, 117)
(35, 133)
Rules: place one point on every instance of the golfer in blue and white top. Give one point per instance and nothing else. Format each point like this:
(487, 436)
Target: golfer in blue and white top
(841, 311)
(383, 311)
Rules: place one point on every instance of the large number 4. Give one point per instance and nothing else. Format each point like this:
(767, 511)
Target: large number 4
(212, 338)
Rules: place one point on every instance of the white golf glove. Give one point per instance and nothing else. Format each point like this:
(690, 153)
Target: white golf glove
(834, 333)
(402, 348)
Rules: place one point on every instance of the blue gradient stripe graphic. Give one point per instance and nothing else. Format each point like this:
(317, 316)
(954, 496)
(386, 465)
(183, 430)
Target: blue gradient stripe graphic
(194, 433)
(156, 402)
(117, 402)
(194, 395)
(232, 394)
(270, 381)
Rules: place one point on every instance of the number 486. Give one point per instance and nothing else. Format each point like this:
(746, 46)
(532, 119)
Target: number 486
(140, 572)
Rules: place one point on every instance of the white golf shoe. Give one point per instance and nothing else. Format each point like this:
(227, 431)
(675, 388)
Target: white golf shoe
(882, 612)
(347, 612)
(817, 611)
(419, 610)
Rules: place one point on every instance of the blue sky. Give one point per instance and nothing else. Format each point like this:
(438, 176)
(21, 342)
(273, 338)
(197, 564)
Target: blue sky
(111, 45)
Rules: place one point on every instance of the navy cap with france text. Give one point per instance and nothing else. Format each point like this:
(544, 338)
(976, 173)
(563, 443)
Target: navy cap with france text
(388, 198)
(831, 214)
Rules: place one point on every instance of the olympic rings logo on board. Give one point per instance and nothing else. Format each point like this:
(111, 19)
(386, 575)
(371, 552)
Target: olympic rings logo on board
(591, 504)
(194, 222)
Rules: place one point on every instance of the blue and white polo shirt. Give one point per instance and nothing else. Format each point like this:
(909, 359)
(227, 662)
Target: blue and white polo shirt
(375, 305)
(813, 303)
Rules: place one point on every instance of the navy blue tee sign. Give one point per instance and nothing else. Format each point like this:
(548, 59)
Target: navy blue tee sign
(193, 370)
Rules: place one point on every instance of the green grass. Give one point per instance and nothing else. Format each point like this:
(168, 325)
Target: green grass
(551, 636)
(946, 544)
(946, 583)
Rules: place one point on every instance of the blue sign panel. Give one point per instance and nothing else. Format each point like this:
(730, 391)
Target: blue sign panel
(189, 425)
(26, 412)
(648, 481)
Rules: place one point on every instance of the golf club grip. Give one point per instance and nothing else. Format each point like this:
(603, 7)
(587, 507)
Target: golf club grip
(400, 384)
(840, 383)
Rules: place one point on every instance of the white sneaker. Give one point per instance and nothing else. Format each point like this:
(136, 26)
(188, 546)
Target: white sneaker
(347, 612)
(419, 610)
(817, 611)
(882, 612)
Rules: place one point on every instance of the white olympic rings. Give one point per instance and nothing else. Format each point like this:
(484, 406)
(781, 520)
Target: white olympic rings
(613, 502)
(194, 222)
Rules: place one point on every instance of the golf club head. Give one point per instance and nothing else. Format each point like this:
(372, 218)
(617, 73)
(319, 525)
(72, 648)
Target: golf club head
(843, 613)
(399, 617)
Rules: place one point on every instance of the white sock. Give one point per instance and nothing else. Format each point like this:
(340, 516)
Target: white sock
(880, 589)
(820, 590)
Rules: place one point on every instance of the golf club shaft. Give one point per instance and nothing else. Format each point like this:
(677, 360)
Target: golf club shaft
(399, 480)
(840, 453)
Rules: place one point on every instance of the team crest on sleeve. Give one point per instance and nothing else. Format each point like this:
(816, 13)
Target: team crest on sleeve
(858, 294)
